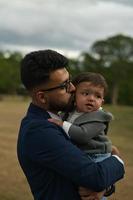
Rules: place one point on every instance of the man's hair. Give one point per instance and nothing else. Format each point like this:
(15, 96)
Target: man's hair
(37, 66)
(95, 79)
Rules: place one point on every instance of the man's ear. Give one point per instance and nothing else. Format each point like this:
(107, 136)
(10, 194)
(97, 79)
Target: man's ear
(41, 97)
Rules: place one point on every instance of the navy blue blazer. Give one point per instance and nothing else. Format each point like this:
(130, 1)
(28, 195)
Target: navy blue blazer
(53, 166)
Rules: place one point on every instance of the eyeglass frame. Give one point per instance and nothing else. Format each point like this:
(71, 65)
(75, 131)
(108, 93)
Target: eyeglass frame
(64, 85)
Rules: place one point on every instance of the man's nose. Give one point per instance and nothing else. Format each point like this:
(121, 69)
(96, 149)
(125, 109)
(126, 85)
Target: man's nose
(72, 87)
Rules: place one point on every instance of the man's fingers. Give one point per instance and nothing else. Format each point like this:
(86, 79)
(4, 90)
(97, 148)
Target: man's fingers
(88, 198)
(84, 191)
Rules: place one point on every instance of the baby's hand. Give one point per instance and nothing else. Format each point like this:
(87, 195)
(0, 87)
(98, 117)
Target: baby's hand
(87, 194)
(56, 121)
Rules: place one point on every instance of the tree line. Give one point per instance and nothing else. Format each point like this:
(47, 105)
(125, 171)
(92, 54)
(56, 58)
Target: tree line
(112, 57)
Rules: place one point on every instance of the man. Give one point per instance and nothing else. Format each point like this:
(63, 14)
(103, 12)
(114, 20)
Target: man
(53, 166)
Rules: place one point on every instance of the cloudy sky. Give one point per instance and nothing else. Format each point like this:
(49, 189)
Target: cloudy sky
(69, 26)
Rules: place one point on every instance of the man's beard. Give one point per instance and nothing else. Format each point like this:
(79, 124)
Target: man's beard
(56, 107)
(64, 106)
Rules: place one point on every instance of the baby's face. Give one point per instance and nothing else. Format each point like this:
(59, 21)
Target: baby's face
(89, 97)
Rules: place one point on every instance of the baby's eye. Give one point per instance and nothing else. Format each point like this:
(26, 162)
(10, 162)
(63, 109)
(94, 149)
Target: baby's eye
(98, 96)
(85, 93)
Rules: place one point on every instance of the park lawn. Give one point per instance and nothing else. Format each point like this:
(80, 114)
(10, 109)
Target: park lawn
(121, 134)
(13, 184)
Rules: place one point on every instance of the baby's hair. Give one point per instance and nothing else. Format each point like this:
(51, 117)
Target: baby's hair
(95, 79)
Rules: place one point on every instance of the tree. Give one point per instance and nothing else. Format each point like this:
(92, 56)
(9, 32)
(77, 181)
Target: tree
(115, 54)
(9, 72)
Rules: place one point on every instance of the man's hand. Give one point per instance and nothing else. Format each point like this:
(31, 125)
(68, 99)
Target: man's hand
(115, 151)
(87, 194)
(56, 121)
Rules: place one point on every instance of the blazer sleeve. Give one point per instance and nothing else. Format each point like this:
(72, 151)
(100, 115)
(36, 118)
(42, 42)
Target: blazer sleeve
(47, 146)
(81, 134)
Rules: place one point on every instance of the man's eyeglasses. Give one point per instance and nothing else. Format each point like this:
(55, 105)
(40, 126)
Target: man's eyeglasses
(66, 85)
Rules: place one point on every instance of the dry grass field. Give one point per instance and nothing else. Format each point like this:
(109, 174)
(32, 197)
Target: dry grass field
(13, 185)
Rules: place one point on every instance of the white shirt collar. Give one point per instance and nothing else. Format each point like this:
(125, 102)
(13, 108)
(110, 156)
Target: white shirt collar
(52, 115)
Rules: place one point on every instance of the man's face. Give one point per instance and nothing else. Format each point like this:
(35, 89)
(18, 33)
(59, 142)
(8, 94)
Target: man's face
(57, 99)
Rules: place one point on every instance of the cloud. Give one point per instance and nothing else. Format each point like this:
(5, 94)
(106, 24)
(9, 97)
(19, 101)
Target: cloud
(70, 25)
(124, 2)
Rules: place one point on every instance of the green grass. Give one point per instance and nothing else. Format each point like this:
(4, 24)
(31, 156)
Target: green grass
(13, 184)
(121, 130)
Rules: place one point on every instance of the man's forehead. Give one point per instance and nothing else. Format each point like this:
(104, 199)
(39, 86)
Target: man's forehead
(59, 75)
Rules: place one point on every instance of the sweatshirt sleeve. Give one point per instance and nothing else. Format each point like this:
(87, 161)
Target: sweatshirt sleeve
(66, 126)
(81, 134)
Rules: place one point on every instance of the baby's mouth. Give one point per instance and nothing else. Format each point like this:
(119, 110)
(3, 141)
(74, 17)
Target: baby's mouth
(89, 105)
